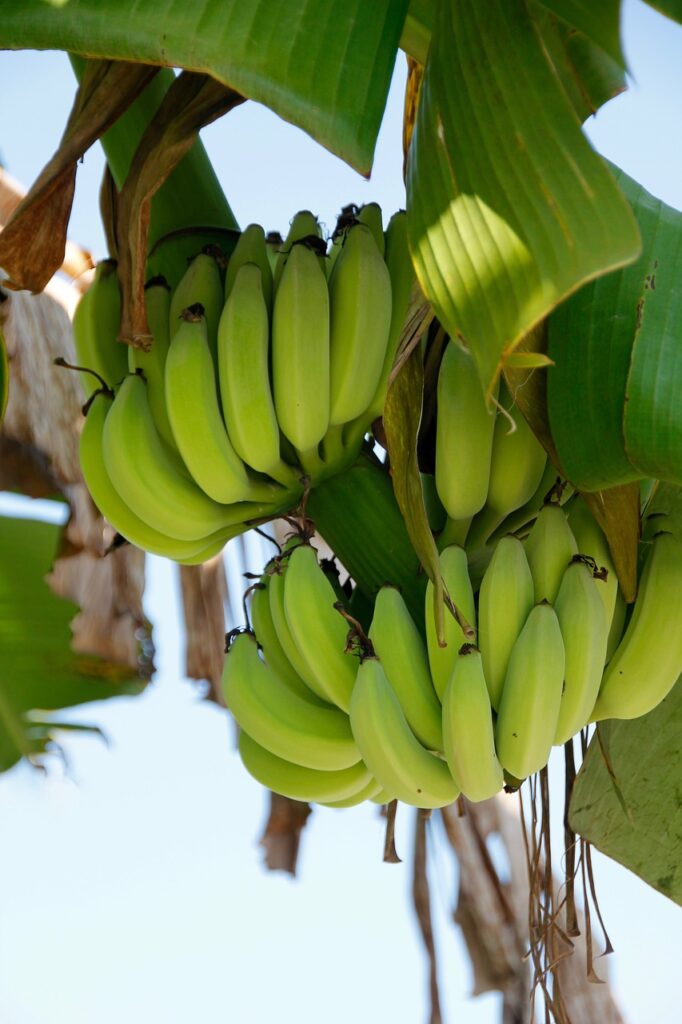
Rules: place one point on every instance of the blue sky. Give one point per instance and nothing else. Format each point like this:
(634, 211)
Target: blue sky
(131, 885)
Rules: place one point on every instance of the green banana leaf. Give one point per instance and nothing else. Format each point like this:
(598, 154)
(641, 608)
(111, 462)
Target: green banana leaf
(613, 394)
(589, 76)
(626, 798)
(510, 210)
(671, 8)
(39, 672)
(590, 73)
(665, 509)
(600, 22)
(325, 67)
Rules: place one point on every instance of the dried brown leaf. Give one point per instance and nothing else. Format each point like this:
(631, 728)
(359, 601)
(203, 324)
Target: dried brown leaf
(282, 834)
(192, 101)
(204, 591)
(39, 456)
(33, 242)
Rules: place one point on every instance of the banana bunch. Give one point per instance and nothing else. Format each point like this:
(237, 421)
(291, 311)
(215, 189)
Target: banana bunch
(260, 380)
(334, 716)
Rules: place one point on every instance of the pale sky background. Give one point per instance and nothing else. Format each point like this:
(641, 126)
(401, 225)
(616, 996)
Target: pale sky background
(131, 885)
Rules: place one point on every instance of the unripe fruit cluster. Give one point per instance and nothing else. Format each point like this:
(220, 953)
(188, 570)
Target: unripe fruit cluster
(327, 715)
(260, 381)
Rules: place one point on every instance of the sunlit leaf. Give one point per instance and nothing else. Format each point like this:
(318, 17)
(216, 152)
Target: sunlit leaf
(509, 208)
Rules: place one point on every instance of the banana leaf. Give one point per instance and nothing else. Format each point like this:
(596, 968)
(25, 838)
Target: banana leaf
(510, 210)
(671, 8)
(613, 393)
(599, 22)
(325, 67)
(626, 797)
(39, 672)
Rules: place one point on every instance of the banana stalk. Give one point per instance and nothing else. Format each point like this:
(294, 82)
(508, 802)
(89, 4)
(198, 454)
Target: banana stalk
(357, 514)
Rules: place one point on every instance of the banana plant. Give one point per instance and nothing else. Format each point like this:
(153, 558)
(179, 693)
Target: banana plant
(521, 262)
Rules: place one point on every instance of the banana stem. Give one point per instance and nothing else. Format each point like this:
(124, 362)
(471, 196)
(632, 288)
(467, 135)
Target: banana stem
(288, 476)
(483, 526)
(354, 432)
(454, 532)
(357, 514)
(273, 494)
(332, 446)
(311, 462)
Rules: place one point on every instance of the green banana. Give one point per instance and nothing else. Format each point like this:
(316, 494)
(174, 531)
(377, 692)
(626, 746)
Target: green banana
(251, 248)
(516, 468)
(505, 599)
(201, 285)
(197, 423)
(468, 734)
(116, 511)
(300, 353)
(243, 365)
(382, 797)
(297, 782)
(148, 479)
(337, 240)
(264, 628)
(453, 566)
(403, 280)
(304, 225)
(550, 546)
(617, 625)
(531, 696)
(585, 630)
(521, 517)
(435, 513)
(464, 435)
(153, 362)
(370, 215)
(648, 660)
(389, 748)
(371, 791)
(591, 541)
(95, 330)
(278, 569)
(401, 650)
(360, 312)
(281, 722)
(317, 628)
(273, 245)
